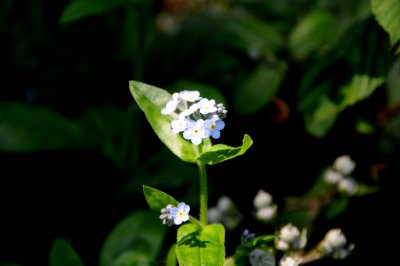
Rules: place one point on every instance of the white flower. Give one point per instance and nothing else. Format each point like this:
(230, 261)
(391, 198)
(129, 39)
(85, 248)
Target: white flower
(344, 164)
(171, 104)
(194, 131)
(289, 261)
(179, 125)
(348, 186)
(262, 199)
(190, 96)
(333, 240)
(289, 233)
(214, 215)
(181, 213)
(224, 204)
(332, 176)
(267, 213)
(207, 106)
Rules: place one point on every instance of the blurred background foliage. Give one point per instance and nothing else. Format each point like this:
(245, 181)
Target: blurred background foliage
(308, 80)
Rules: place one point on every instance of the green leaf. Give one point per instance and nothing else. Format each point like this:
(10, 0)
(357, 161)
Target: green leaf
(200, 246)
(320, 121)
(336, 207)
(250, 34)
(152, 100)
(316, 31)
(323, 118)
(171, 256)
(140, 233)
(26, 128)
(259, 88)
(393, 83)
(360, 88)
(221, 152)
(78, 9)
(387, 14)
(133, 258)
(63, 254)
(158, 199)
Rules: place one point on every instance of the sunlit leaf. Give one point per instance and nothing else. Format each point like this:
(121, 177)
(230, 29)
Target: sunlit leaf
(152, 100)
(387, 14)
(140, 233)
(315, 31)
(360, 88)
(259, 88)
(63, 254)
(221, 152)
(200, 246)
(158, 199)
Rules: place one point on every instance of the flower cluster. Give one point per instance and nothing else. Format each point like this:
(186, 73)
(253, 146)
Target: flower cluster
(334, 244)
(339, 174)
(290, 238)
(225, 212)
(195, 116)
(266, 211)
(175, 215)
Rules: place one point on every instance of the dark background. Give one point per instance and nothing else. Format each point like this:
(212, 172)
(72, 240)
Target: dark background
(78, 189)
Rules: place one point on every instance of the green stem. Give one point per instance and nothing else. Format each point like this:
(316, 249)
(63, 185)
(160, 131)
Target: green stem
(203, 192)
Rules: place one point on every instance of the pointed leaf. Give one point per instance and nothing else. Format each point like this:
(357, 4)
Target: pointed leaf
(63, 254)
(221, 152)
(141, 233)
(152, 100)
(320, 121)
(387, 14)
(314, 31)
(79, 9)
(200, 246)
(260, 88)
(252, 35)
(158, 199)
(360, 88)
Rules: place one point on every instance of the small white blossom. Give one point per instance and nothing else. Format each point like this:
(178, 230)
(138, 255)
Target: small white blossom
(332, 176)
(290, 237)
(289, 261)
(179, 125)
(262, 199)
(348, 186)
(207, 106)
(224, 204)
(214, 215)
(267, 213)
(190, 96)
(344, 164)
(194, 131)
(171, 104)
(333, 240)
(289, 233)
